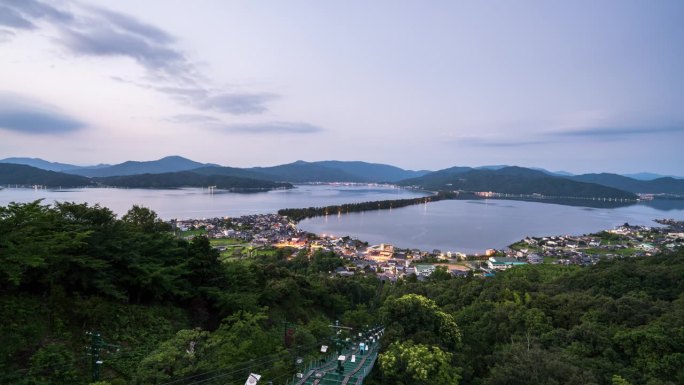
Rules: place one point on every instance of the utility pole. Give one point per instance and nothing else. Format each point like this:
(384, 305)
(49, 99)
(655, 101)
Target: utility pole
(96, 346)
(288, 333)
(338, 343)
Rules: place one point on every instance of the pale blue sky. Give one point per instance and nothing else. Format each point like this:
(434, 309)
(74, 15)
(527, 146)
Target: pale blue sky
(579, 85)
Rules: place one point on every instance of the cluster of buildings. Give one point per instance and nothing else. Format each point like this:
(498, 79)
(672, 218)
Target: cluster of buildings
(390, 263)
(259, 230)
(622, 241)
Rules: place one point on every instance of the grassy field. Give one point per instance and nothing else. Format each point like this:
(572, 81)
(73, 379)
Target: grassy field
(193, 233)
(227, 242)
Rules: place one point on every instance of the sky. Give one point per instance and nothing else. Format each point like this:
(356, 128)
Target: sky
(578, 86)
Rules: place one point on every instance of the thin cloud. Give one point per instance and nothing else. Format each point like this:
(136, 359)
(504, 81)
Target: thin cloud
(6, 35)
(18, 114)
(193, 118)
(612, 132)
(107, 41)
(37, 10)
(186, 94)
(588, 133)
(135, 26)
(93, 31)
(216, 124)
(500, 142)
(233, 103)
(272, 128)
(238, 103)
(13, 19)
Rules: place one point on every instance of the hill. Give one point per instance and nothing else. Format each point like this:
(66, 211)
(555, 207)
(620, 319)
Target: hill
(372, 172)
(648, 176)
(297, 172)
(512, 180)
(163, 165)
(233, 171)
(187, 179)
(20, 174)
(665, 185)
(304, 172)
(40, 163)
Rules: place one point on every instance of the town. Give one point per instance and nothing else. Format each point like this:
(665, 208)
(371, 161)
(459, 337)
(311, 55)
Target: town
(246, 236)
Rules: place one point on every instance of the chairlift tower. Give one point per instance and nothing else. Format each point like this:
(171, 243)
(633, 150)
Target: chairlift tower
(97, 344)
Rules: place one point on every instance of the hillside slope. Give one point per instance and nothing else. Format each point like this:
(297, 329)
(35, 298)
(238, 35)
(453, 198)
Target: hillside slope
(19, 174)
(513, 180)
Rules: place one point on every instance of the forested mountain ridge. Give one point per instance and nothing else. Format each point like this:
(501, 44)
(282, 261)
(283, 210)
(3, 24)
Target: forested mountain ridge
(305, 172)
(665, 185)
(513, 180)
(71, 268)
(19, 174)
(22, 175)
(163, 165)
(188, 179)
(40, 163)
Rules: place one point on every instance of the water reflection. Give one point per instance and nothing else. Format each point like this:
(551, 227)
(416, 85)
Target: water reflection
(472, 226)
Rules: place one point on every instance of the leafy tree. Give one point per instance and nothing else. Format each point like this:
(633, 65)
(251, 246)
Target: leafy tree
(180, 356)
(53, 364)
(417, 317)
(617, 380)
(145, 220)
(517, 365)
(440, 274)
(406, 363)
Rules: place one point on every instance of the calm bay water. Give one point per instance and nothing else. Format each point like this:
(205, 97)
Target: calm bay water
(466, 226)
(199, 203)
(473, 226)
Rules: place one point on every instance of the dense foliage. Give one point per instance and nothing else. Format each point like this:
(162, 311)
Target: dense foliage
(19, 174)
(169, 309)
(665, 185)
(73, 268)
(188, 179)
(514, 180)
(546, 324)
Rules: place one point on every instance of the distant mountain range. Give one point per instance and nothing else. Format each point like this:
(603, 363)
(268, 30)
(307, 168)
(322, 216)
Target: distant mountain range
(163, 165)
(497, 178)
(665, 185)
(649, 176)
(335, 171)
(512, 180)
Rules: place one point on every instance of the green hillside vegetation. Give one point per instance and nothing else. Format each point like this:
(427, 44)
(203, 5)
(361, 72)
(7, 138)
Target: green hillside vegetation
(304, 172)
(513, 180)
(234, 171)
(23, 175)
(372, 172)
(666, 185)
(188, 179)
(180, 315)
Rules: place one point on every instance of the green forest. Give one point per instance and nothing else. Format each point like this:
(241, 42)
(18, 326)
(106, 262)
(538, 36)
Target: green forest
(78, 284)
